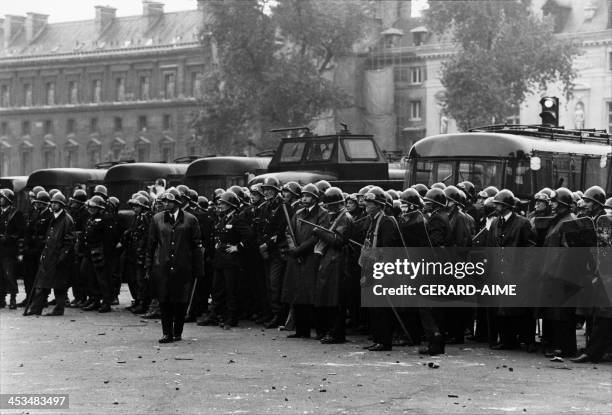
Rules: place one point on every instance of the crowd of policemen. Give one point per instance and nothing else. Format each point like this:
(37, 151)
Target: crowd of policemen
(287, 256)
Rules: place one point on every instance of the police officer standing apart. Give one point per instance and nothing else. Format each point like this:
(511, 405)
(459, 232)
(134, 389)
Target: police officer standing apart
(78, 212)
(55, 261)
(12, 226)
(97, 265)
(173, 260)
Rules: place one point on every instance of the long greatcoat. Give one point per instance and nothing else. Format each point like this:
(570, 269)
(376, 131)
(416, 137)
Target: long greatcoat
(301, 271)
(57, 256)
(174, 255)
(331, 282)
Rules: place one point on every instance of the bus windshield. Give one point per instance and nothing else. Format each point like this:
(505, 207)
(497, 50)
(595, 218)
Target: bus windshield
(292, 152)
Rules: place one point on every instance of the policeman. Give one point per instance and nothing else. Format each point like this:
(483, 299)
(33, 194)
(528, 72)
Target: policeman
(117, 258)
(331, 283)
(594, 202)
(302, 263)
(98, 239)
(204, 283)
(440, 235)
(173, 261)
(231, 236)
(35, 236)
(55, 261)
(291, 192)
(136, 243)
(12, 228)
(271, 241)
(382, 232)
(78, 212)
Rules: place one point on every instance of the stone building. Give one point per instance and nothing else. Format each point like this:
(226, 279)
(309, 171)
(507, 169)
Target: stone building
(77, 93)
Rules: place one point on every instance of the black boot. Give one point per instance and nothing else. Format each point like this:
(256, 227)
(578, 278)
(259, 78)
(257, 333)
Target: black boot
(166, 330)
(13, 302)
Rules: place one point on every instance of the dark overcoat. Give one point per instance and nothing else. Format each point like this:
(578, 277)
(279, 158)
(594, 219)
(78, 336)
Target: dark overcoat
(331, 282)
(174, 255)
(57, 255)
(301, 271)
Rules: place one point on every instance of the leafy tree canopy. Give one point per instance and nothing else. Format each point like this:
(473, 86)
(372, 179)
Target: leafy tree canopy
(505, 52)
(271, 67)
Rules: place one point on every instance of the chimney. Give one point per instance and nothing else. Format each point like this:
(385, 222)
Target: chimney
(13, 25)
(104, 17)
(152, 10)
(34, 24)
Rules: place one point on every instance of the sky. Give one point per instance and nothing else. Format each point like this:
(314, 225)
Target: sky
(70, 10)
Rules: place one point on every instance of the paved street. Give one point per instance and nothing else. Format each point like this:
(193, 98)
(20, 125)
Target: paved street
(112, 364)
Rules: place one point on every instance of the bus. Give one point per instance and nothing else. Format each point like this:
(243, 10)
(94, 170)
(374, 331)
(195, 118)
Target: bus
(523, 159)
(209, 173)
(66, 179)
(123, 180)
(18, 185)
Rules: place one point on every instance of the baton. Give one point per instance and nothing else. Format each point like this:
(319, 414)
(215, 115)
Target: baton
(327, 230)
(195, 282)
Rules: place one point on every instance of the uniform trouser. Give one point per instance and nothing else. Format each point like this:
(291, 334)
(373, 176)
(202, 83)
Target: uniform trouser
(432, 320)
(30, 267)
(274, 268)
(381, 325)
(559, 330)
(518, 328)
(143, 291)
(7, 272)
(173, 318)
(302, 316)
(99, 280)
(130, 272)
(40, 298)
(78, 280)
(116, 272)
(225, 292)
(601, 337)
(330, 321)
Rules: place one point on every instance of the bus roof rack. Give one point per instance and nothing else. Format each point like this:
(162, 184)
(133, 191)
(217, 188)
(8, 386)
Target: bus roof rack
(186, 159)
(266, 153)
(553, 133)
(111, 163)
(294, 131)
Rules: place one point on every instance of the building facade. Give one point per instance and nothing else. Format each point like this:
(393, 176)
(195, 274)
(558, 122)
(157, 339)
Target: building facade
(78, 93)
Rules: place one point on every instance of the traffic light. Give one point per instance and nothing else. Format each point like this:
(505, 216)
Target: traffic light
(550, 111)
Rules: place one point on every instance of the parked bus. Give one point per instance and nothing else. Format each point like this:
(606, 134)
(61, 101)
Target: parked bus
(123, 180)
(66, 179)
(207, 174)
(523, 159)
(18, 185)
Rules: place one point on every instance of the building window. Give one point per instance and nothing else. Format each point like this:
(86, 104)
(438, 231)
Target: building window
(48, 127)
(93, 125)
(96, 90)
(27, 95)
(73, 91)
(50, 93)
(418, 38)
(142, 123)
(70, 126)
(610, 117)
(167, 124)
(26, 129)
(415, 110)
(169, 85)
(5, 96)
(48, 158)
(120, 89)
(3, 128)
(196, 85)
(415, 76)
(401, 74)
(118, 124)
(142, 152)
(610, 60)
(4, 163)
(26, 162)
(93, 154)
(72, 157)
(144, 88)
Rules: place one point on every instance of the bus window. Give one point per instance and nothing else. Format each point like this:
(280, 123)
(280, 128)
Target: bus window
(481, 173)
(518, 178)
(423, 172)
(292, 152)
(595, 175)
(359, 149)
(561, 171)
(443, 170)
(575, 172)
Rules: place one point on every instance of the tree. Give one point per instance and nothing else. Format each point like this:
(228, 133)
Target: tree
(270, 73)
(505, 52)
